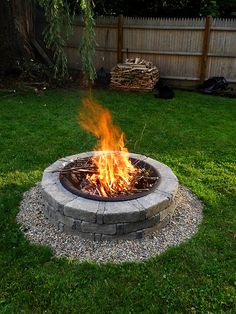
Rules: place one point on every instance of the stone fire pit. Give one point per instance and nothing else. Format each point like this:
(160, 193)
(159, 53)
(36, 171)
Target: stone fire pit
(106, 220)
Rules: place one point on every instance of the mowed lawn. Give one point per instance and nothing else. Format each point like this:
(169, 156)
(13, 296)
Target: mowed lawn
(194, 134)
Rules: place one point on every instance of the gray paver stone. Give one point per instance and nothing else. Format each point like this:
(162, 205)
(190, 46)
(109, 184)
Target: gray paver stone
(86, 235)
(96, 228)
(168, 186)
(134, 226)
(57, 196)
(168, 211)
(123, 211)
(154, 202)
(49, 178)
(120, 228)
(81, 208)
(163, 169)
(158, 226)
(100, 212)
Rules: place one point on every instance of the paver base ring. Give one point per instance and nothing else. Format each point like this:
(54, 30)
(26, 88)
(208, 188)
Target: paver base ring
(98, 220)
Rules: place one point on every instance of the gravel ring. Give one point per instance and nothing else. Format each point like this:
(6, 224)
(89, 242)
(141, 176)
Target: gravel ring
(183, 225)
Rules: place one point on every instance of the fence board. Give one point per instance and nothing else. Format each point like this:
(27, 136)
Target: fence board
(175, 45)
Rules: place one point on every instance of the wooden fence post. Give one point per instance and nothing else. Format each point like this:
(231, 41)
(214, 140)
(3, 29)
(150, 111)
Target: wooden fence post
(205, 48)
(120, 23)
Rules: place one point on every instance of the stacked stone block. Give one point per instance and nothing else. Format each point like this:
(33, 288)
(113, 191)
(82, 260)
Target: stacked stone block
(100, 220)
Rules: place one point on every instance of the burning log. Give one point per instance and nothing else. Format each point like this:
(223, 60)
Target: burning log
(135, 74)
(80, 173)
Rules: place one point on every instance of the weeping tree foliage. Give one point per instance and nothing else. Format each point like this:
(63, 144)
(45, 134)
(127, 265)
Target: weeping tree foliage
(59, 16)
(57, 31)
(88, 44)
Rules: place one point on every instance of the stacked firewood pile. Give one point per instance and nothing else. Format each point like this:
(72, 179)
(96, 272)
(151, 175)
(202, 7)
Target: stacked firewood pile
(135, 74)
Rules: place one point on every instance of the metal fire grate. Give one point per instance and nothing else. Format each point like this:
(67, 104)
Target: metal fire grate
(67, 180)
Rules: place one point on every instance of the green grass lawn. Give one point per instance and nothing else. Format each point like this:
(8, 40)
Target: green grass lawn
(194, 134)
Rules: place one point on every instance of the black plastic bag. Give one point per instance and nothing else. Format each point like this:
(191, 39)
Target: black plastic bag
(214, 84)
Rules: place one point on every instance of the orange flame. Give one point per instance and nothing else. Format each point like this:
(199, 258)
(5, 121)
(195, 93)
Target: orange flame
(114, 166)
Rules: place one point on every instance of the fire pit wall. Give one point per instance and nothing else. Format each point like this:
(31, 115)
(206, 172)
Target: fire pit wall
(100, 220)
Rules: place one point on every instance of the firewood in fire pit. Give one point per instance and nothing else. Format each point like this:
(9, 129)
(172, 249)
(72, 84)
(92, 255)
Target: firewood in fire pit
(79, 174)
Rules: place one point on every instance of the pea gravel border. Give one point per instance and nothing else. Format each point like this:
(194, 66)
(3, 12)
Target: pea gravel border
(184, 224)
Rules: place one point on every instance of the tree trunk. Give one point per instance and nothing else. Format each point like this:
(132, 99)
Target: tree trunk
(16, 29)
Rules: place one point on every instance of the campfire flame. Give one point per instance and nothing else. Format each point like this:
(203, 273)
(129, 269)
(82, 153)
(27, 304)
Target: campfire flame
(115, 170)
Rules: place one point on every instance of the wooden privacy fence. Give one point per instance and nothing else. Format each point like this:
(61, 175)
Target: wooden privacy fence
(182, 48)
